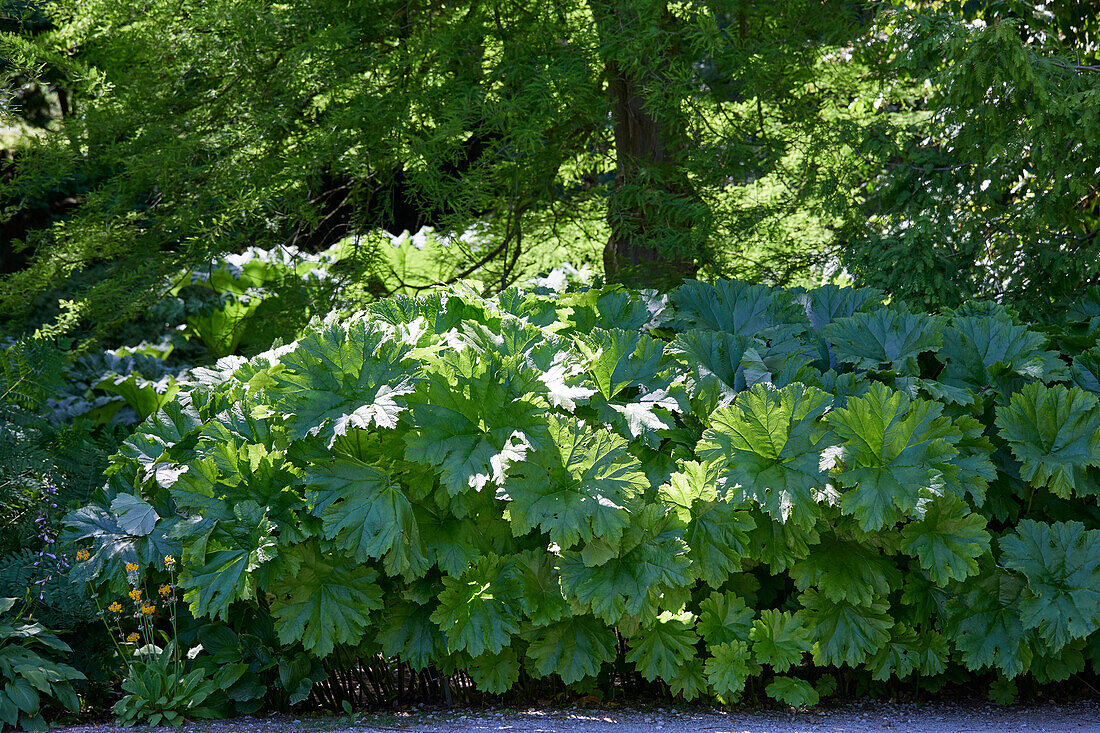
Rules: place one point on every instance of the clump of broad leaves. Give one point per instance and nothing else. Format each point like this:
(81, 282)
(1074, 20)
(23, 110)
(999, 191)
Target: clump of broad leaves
(722, 487)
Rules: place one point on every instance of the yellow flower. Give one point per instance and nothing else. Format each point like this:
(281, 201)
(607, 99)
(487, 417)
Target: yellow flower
(148, 610)
(169, 561)
(131, 567)
(115, 607)
(164, 590)
(83, 555)
(134, 636)
(135, 594)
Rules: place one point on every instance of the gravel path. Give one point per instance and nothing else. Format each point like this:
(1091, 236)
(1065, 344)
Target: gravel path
(857, 717)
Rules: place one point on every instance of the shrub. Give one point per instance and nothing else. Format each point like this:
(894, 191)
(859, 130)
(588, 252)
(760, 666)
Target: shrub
(729, 486)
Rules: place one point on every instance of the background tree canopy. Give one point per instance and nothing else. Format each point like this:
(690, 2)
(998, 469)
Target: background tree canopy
(202, 127)
(659, 140)
(992, 191)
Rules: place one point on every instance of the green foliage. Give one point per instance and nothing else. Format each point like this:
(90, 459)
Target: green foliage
(29, 672)
(514, 135)
(987, 628)
(666, 647)
(159, 691)
(1003, 691)
(1062, 565)
(779, 640)
(47, 466)
(61, 416)
(479, 611)
(581, 491)
(574, 648)
(947, 540)
(250, 667)
(771, 440)
(728, 669)
(978, 195)
(896, 455)
(792, 691)
(885, 339)
(1055, 434)
(501, 486)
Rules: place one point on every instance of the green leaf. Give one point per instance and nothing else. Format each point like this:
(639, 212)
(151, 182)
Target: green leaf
(779, 639)
(1062, 564)
(222, 579)
(947, 540)
(1050, 666)
(971, 471)
(1055, 433)
(981, 351)
(194, 490)
(512, 337)
(573, 648)
(577, 488)
(649, 418)
(785, 360)
(1085, 370)
(792, 691)
(367, 514)
(830, 303)
(716, 533)
(24, 696)
(478, 612)
(844, 632)
(149, 453)
(620, 309)
(717, 539)
(694, 482)
(439, 310)
(409, 633)
(781, 545)
(611, 590)
(560, 377)
(228, 562)
(451, 542)
(173, 423)
(907, 652)
(135, 516)
(540, 596)
(243, 429)
(326, 602)
(1003, 691)
(660, 650)
(470, 423)
(985, 625)
(734, 307)
(342, 377)
(495, 673)
(724, 617)
(653, 560)
(146, 396)
(885, 339)
(690, 680)
(617, 359)
(715, 360)
(771, 441)
(845, 570)
(729, 668)
(895, 454)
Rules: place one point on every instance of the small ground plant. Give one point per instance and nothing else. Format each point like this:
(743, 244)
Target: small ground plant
(32, 677)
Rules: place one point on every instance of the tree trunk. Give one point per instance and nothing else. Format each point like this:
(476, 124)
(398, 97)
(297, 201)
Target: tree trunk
(652, 242)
